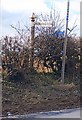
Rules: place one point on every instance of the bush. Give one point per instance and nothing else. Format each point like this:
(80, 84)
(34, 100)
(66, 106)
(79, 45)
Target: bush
(16, 76)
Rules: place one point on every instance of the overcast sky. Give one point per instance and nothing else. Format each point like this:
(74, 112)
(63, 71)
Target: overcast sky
(12, 11)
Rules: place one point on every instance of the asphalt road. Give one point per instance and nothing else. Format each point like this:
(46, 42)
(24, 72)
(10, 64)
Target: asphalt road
(63, 114)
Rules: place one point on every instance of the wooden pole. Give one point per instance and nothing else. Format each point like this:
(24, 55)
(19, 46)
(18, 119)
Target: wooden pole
(64, 47)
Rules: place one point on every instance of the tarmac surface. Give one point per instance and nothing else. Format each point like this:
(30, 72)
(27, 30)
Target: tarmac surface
(66, 113)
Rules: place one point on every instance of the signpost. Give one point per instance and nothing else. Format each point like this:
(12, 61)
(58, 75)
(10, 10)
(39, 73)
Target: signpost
(31, 59)
(33, 23)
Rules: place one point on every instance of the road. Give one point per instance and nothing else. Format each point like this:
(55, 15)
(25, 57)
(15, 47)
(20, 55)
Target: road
(67, 113)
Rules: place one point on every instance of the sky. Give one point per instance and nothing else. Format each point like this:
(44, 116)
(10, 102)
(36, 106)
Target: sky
(14, 11)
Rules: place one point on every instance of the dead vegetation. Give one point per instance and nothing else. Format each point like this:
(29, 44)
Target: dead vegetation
(38, 94)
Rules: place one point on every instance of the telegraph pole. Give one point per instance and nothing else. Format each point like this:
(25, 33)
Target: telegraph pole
(65, 46)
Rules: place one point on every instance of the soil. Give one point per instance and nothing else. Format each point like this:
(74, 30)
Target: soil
(37, 94)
